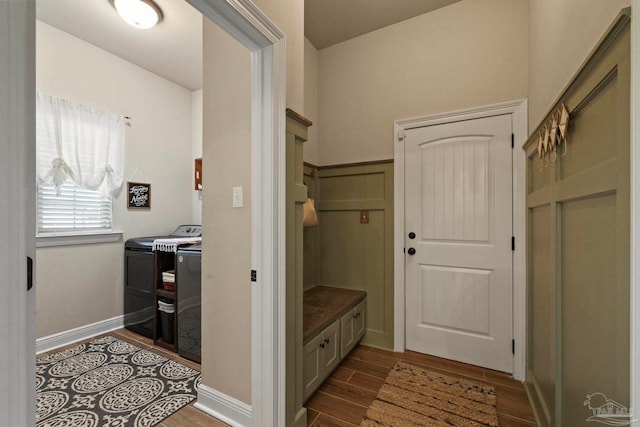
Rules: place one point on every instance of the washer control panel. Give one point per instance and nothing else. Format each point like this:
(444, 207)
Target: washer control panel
(188, 231)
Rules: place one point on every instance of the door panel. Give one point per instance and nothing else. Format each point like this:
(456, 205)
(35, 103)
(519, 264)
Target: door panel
(456, 299)
(455, 189)
(459, 204)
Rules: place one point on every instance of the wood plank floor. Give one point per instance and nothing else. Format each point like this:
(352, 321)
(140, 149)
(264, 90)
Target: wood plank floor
(344, 398)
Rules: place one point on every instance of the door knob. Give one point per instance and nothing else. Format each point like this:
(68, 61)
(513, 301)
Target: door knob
(412, 235)
(411, 251)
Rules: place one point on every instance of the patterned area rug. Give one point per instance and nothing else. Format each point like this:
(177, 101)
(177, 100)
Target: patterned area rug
(109, 382)
(411, 396)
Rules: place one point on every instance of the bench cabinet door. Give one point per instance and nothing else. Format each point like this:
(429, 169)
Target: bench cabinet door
(352, 328)
(347, 336)
(312, 366)
(330, 347)
(359, 321)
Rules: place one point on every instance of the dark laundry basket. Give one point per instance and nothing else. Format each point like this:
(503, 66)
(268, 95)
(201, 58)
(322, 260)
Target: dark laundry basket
(166, 321)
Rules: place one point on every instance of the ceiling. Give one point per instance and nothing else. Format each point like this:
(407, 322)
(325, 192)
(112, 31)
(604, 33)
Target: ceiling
(327, 22)
(173, 48)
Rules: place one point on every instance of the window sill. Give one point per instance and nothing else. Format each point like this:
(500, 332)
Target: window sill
(77, 239)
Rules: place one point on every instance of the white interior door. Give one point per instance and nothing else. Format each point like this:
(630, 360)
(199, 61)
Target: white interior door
(458, 219)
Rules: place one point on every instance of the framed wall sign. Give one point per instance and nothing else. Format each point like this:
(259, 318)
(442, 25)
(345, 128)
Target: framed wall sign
(139, 195)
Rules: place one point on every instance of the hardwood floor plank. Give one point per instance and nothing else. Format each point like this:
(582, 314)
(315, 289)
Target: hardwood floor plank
(311, 416)
(507, 421)
(500, 378)
(366, 381)
(132, 335)
(365, 367)
(325, 420)
(192, 417)
(337, 408)
(342, 374)
(514, 403)
(375, 358)
(349, 392)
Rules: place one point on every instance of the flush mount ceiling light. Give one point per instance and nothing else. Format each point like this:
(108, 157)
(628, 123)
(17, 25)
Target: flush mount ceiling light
(142, 14)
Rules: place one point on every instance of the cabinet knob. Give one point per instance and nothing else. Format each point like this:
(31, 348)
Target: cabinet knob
(355, 316)
(322, 345)
(326, 340)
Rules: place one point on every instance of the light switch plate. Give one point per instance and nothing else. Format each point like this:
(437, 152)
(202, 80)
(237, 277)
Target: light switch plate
(237, 197)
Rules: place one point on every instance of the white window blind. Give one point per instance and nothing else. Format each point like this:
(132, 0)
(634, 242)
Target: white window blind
(71, 209)
(79, 166)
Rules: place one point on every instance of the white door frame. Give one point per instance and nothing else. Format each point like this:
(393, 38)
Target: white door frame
(635, 212)
(518, 111)
(247, 24)
(17, 211)
(243, 21)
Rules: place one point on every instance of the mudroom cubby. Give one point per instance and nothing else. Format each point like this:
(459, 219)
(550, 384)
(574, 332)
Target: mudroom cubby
(334, 322)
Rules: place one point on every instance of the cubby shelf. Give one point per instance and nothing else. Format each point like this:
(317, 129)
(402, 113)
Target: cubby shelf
(164, 261)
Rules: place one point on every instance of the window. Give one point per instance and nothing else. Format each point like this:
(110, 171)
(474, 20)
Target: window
(72, 209)
(80, 162)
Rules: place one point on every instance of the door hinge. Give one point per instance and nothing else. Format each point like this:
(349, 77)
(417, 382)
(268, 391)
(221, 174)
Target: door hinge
(400, 134)
(513, 346)
(254, 276)
(513, 140)
(513, 243)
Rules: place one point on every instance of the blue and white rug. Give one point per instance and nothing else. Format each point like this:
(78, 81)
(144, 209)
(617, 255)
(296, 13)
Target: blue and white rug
(109, 382)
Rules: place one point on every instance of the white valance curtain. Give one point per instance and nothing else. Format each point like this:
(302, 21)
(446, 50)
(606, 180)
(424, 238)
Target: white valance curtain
(79, 143)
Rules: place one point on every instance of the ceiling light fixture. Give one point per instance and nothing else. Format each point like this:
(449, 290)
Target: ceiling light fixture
(142, 14)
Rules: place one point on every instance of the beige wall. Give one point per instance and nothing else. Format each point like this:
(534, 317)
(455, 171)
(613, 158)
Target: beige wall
(468, 54)
(561, 36)
(79, 285)
(288, 16)
(196, 151)
(311, 57)
(226, 255)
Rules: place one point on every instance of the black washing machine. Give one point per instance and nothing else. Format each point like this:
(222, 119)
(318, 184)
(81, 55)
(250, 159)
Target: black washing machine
(138, 279)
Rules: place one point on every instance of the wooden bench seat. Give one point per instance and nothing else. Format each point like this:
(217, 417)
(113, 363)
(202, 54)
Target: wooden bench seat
(322, 305)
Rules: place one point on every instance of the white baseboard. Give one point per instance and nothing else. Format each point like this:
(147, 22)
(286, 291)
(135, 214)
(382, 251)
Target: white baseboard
(78, 334)
(223, 407)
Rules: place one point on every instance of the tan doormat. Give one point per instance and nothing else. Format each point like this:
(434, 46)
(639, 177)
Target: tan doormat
(412, 396)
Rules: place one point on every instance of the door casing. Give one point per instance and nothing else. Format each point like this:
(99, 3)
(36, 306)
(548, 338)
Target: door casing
(518, 111)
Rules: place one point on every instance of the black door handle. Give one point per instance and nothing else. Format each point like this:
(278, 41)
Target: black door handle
(29, 273)
(411, 251)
